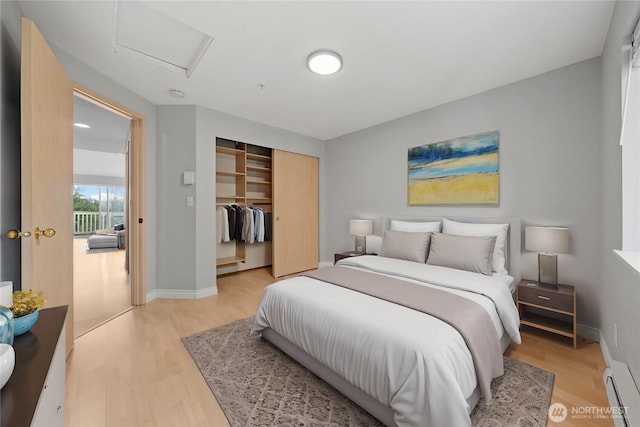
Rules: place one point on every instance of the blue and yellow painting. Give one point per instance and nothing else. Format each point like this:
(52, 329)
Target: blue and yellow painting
(458, 171)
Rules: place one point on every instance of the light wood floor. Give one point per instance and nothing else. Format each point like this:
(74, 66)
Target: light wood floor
(134, 370)
(100, 286)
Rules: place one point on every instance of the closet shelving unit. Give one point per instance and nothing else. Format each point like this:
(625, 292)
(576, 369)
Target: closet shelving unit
(243, 176)
(258, 176)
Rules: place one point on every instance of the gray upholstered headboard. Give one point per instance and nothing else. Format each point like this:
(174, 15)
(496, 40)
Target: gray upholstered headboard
(513, 235)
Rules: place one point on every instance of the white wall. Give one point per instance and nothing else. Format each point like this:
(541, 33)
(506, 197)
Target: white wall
(549, 168)
(186, 235)
(620, 291)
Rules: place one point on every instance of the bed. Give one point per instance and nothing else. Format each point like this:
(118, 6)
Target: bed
(405, 367)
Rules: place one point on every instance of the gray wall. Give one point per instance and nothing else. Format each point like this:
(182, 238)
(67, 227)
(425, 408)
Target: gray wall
(9, 146)
(176, 222)
(549, 167)
(620, 291)
(187, 138)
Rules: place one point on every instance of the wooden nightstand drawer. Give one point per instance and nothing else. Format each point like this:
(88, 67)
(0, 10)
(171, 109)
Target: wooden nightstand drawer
(546, 298)
(548, 308)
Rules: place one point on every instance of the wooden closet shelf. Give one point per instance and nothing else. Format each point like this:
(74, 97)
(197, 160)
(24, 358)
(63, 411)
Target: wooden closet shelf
(230, 197)
(223, 173)
(259, 200)
(227, 150)
(256, 181)
(258, 168)
(229, 260)
(258, 157)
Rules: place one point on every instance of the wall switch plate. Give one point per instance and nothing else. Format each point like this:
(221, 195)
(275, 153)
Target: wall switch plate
(190, 201)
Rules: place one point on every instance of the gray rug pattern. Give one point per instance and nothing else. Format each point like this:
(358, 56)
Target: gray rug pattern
(256, 384)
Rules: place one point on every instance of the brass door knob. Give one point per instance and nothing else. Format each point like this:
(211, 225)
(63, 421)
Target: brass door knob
(15, 234)
(47, 232)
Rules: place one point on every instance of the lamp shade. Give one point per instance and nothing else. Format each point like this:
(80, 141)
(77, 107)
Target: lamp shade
(546, 239)
(360, 227)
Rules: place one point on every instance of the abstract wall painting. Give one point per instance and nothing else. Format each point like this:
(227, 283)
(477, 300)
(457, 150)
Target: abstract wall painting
(458, 171)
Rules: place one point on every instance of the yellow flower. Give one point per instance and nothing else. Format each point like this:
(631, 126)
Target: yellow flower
(26, 302)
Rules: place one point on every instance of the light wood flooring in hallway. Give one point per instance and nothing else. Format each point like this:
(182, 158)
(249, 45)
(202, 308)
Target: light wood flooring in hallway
(100, 287)
(134, 370)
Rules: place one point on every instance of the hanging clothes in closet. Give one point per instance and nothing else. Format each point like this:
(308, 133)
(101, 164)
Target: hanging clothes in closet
(244, 224)
(222, 225)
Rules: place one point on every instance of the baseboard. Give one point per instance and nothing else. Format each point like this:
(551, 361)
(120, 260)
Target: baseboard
(606, 354)
(588, 332)
(151, 295)
(325, 264)
(186, 293)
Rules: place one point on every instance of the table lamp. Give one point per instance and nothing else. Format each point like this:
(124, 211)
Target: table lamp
(361, 228)
(547, 241)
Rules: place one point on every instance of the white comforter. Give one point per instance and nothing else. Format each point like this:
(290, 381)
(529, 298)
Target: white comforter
(412, 362)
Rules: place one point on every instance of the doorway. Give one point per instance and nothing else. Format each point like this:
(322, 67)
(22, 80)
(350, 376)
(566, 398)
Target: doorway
(108, 253)
(101, 286)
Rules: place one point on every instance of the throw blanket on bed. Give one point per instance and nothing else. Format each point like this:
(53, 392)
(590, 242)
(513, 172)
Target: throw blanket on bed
(468, 317)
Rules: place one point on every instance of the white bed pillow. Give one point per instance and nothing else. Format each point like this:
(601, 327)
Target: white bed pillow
(405, 245)
(413, 226)
(469, 229)
(471, 253)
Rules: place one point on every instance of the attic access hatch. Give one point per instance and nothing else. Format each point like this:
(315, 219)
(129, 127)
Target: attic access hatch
(146, 34)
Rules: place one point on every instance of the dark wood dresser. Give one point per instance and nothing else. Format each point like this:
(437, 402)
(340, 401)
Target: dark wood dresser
(38, 378)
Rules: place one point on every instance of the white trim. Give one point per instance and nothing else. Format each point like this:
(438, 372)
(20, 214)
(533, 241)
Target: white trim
(186, 293)
(631, 260)
(151, 295)
(325, 264)
(605, 350)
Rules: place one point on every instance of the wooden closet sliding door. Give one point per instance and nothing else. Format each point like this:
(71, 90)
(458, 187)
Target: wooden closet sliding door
(295, 213)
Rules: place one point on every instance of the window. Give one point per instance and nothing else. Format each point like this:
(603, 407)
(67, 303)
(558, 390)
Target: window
(97, 208)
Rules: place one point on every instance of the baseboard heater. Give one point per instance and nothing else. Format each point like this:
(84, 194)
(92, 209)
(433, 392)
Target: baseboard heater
(623, 395)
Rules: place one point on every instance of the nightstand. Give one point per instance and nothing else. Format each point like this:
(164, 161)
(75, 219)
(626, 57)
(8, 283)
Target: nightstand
(339, 256)
(548, 308)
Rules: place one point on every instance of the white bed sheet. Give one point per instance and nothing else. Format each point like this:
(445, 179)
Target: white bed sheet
(508, 281)
(416, 364)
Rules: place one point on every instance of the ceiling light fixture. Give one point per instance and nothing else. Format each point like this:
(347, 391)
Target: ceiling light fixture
(176, 93)
(82, 125)
(324, 62)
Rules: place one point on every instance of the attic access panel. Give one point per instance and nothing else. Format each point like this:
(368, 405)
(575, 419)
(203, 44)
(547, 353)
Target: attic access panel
(146, 34)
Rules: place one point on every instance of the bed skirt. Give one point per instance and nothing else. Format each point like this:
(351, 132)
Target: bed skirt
(382, 412)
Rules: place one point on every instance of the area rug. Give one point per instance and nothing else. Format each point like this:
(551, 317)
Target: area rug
(256, 384)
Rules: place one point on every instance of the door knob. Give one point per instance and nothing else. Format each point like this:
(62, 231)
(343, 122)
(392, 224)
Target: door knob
(15, 234)
(47, 232)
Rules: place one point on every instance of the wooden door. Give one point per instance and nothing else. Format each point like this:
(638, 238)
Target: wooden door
(47, 173)
(295, 213)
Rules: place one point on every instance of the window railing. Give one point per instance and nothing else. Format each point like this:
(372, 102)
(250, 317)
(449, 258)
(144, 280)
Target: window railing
(90, 222)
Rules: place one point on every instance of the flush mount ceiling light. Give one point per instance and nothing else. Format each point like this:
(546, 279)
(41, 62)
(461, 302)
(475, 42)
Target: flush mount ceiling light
(324, 62)
(82, 125)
